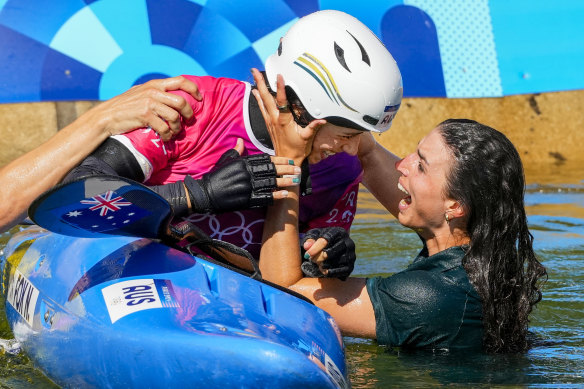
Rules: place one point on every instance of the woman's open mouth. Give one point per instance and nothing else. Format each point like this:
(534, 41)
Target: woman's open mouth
(407, 200)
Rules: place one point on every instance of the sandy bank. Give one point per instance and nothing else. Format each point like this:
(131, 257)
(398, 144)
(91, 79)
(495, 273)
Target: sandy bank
(547, 129)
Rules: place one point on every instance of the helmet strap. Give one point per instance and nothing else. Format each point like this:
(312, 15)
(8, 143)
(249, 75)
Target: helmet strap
(257, 122)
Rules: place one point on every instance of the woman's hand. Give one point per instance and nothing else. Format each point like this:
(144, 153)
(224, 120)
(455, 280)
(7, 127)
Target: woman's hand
(146, 105)
(290, 139)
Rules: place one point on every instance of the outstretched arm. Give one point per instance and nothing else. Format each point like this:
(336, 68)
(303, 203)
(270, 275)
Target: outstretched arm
(149, 104)
(380, 176)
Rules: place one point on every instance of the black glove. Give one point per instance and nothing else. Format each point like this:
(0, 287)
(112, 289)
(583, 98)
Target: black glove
(236, 183)
(340, 251)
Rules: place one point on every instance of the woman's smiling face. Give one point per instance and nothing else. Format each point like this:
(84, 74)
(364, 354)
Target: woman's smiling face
(331, 139)
(423, 177)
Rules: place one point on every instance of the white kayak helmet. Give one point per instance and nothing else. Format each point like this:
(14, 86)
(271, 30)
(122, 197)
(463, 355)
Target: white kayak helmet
(339, 70)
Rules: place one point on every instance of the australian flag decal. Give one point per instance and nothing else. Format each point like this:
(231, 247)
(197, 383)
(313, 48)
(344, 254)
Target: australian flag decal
(103, 212)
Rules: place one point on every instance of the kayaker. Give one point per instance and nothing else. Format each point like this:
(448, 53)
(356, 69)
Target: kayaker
(149, 104)
(335, 68)
(476, 279)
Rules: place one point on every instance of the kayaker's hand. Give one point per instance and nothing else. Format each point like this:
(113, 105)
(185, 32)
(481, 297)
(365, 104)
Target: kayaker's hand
(239, 183)
(328, 252)
(290, 139)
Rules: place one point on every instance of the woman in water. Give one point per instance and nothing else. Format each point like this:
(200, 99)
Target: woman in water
(476, 279)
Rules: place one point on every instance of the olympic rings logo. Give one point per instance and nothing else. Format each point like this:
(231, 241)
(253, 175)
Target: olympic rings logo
(236, 229)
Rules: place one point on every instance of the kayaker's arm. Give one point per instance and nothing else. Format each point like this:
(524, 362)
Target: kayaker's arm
(235, 183)
(280, 253)
(148, 104)
(347, 301)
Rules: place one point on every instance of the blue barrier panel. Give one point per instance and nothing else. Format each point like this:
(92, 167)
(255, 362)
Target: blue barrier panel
(77, 50)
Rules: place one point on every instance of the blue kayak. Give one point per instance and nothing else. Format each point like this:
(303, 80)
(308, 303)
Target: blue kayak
(132, 312)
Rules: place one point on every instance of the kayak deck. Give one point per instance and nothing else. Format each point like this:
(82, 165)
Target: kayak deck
(123, 311)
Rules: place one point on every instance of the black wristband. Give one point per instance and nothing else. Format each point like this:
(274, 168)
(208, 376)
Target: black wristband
(175, 195)
(198, 194)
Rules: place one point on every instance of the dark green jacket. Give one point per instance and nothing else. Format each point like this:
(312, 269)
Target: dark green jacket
(430, 304)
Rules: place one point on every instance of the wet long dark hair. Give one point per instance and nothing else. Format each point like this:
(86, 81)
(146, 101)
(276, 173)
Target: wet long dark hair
(487, 179)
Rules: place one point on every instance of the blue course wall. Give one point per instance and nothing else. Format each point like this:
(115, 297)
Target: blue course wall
(86, 50)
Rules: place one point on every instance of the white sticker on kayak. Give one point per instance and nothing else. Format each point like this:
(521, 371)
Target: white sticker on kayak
(131, 296)
(334, 372)
(23, 296)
